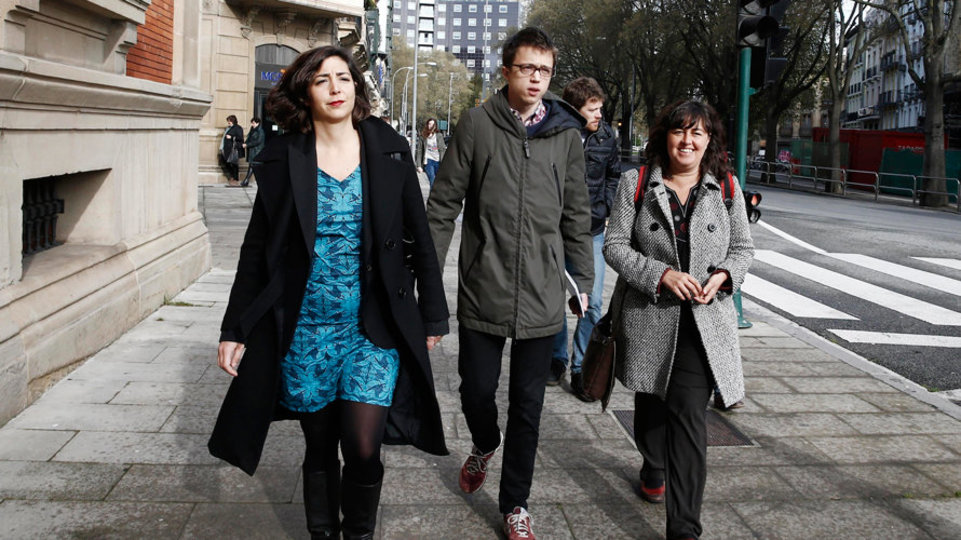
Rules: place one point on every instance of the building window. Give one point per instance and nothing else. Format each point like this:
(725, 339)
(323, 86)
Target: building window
(471, 35)
(442, 8)
(487, 8)
(487, 36)
(455, 35)
(440, 48)
(457, 8)
(470, 62)
(398, 4)
(457, 21)
(396, 18)
(411, 6)
(396, 31)
(410, 33)
(441, 34)
(40, 210)
(441, 21)
(472, 8)
(472, 22)
(501, 36)
(411, 19)
(455, 49)
(502, 23)
(471, 49)
(487, 50)
(500, 9)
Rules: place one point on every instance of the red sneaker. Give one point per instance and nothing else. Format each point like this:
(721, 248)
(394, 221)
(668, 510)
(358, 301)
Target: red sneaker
(474, 472)
(517, 524)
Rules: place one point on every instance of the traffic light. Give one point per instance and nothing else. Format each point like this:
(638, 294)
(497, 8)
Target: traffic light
(751, 201)
(754, 25)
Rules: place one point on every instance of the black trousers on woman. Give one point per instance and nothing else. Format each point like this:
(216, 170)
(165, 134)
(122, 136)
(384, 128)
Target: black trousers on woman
(671, 434)
(479, 366)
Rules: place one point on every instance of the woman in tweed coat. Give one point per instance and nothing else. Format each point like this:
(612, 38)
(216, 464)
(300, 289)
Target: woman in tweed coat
(679, 254)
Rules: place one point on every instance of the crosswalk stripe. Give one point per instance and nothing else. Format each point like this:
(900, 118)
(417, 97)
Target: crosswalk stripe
(943, 284)
(950, 263)
(912, 307)
(887, 338)
(789, 301)
(792, 239)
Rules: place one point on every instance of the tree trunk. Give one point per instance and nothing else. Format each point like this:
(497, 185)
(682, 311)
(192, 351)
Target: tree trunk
(770, 150)
(934, 159)
(837, 109)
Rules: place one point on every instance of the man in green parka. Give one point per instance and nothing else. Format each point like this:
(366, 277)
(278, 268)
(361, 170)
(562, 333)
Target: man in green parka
(515, 165)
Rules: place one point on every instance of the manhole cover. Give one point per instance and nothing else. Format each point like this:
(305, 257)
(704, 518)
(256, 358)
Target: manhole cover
(720, 432)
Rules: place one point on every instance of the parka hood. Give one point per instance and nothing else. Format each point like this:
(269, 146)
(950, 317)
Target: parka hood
(561, 115)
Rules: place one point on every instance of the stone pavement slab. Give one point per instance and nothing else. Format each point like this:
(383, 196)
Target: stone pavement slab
(117, 449)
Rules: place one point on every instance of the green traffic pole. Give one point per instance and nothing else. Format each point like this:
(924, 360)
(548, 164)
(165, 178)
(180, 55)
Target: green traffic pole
(744, 92)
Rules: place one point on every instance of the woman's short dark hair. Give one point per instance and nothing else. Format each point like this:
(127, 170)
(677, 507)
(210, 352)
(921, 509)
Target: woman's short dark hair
(255, 119)
(581, 90)
(289, 103)
(232, 119)
(528, 37)
(685, 114)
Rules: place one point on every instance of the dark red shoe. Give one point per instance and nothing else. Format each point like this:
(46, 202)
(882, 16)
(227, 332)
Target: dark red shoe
(474, 472)
(653, 495)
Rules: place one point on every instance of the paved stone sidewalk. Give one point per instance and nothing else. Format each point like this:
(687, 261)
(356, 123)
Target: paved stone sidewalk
(117, 448)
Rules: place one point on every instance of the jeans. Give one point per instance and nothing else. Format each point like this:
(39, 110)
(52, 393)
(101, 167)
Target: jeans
(431, 170)
(479, 367)
(582, 333)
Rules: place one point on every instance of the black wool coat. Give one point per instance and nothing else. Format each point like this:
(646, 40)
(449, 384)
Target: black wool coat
(397, 311)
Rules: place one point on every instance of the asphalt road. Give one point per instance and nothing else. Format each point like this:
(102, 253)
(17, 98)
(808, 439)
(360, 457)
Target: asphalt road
(881, 280)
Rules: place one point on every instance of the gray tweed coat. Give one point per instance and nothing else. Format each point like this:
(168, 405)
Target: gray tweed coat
(640, 247)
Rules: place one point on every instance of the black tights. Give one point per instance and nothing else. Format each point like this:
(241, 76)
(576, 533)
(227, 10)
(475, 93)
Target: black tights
(358, 427)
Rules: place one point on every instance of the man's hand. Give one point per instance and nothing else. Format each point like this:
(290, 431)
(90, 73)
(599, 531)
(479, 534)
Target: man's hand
(572, 303)
(433, 340)
(228, 356)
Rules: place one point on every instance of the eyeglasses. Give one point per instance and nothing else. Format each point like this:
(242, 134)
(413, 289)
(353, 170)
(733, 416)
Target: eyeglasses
(528, 69)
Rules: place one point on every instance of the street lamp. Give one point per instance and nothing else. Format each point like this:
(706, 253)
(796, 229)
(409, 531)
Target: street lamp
(450, 88)
(403, 112)
(392, 89)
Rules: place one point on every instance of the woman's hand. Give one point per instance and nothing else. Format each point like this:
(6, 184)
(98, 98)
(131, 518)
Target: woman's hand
(420, 169)
(228, 356)
(711, 287)
(572, 303)
(433, 340)
(682, 284)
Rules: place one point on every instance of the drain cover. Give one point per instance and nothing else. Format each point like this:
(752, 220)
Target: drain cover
(720, 432)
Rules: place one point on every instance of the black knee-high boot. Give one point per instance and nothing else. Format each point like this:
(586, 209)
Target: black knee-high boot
(322, 502)
(360, 502)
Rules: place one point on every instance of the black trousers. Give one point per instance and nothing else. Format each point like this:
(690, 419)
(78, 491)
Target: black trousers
(671, 434)
(479, 366)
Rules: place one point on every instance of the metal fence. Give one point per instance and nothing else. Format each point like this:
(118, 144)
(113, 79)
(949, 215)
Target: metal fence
(817, 177)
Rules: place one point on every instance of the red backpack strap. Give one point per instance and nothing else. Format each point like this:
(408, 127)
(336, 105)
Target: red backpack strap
(641, 184)
(727, 190)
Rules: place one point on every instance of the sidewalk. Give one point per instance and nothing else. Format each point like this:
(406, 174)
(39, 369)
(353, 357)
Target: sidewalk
(117, 449)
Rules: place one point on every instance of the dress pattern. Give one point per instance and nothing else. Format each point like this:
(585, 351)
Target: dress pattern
(329, 358)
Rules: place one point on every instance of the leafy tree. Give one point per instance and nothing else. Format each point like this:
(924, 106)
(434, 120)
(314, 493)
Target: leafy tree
(433, 90)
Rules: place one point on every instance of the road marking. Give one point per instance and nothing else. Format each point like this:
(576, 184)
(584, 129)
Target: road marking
(886, 338)
(791, 239)
(943, 284)
(789, 301)
(950, 263)
(912, 307)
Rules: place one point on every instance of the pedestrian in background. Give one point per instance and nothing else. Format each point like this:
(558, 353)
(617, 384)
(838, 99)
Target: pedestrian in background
(430, 150)
(679, 253)
(231, 147)
(252, 146)
(323, 302)
(602, 172)
(516, 167)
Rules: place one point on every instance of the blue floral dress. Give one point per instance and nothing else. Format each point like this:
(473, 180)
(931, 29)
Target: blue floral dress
(329, 358)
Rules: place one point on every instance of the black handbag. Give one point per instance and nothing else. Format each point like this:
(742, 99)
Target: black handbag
(597, 367)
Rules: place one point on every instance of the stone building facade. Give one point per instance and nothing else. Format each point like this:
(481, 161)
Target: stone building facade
(98, 177)
(244, 46)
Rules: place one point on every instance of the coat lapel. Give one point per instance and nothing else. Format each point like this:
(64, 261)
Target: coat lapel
(656, 185)
(382, 181)
(302, 158)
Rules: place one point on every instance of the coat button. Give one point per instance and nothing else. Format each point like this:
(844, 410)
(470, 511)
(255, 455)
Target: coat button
(711, 227)
(370, 268)
(711, 269)
(402, 292)
(655, 226)
(390, 244)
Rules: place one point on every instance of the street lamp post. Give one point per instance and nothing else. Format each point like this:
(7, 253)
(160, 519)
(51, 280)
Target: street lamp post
(404, 104)
(394, 76)
(450, 88)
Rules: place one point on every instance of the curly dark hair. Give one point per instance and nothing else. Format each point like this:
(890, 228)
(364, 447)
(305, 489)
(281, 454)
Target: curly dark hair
(289, 103)
(685, 114)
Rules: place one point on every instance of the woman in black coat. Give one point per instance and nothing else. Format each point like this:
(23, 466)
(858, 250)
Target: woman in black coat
(231, 147)
(323, 309)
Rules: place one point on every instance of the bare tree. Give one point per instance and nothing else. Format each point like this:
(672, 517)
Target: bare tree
(848, 38)
(939, 19)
